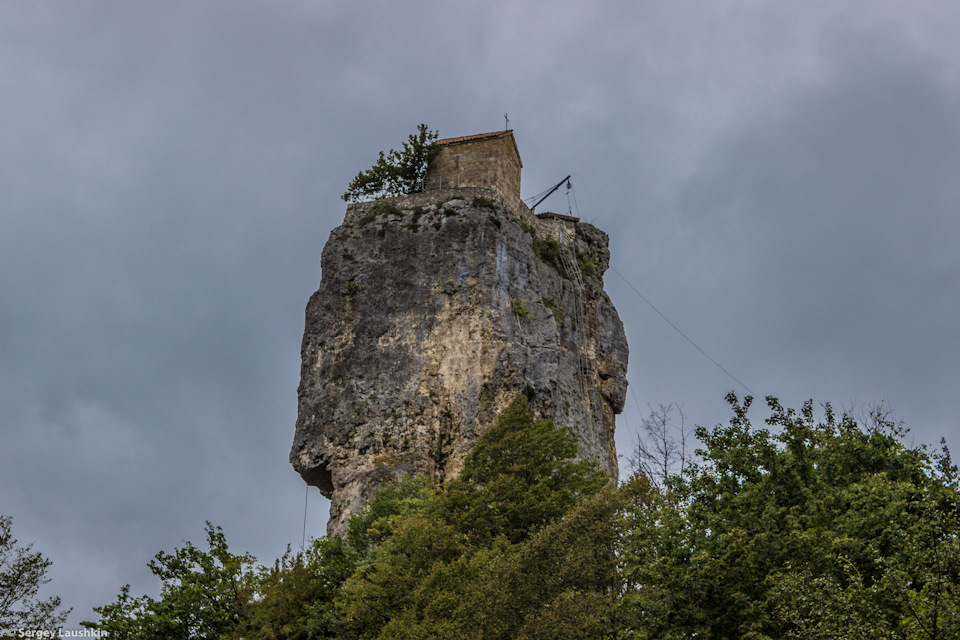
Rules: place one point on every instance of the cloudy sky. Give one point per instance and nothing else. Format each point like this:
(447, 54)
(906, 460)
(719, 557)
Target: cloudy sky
(779, 179)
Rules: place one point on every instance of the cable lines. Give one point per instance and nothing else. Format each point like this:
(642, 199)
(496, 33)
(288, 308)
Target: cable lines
(305, 497)
(677, 329)
(578, 283)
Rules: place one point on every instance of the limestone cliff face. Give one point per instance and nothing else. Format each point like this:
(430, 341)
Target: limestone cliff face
(434, 311)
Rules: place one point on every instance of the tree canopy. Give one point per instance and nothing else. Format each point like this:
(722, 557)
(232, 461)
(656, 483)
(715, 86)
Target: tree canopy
(203, 595)
(471, 559)
(397, 172)
(22, 573)
(804, 528)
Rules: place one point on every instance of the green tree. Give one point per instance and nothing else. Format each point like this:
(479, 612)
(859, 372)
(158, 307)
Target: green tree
(562, 582)
(22, 572)
(490, 551)
(397, 172)
(391, 501)
(806, 529)
(203, 595)
(521, 475)
(293, 599)
(907, 586)
(389, 594)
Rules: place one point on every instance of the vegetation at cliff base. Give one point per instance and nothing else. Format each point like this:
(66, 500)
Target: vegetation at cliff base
(805, 527)
(801, 529)
(396, 172)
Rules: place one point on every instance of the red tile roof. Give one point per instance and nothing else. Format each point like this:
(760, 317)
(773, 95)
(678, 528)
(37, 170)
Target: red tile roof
(476, 136)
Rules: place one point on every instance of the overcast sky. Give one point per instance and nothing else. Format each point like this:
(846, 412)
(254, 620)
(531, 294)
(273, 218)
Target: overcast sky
(780, 179)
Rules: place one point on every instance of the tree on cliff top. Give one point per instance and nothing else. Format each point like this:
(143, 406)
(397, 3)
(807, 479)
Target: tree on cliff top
(397, 172)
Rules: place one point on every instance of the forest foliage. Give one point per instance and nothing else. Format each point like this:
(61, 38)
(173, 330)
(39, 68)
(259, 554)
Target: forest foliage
(804, 527)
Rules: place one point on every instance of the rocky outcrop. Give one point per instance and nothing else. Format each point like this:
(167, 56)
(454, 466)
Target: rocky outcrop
(434, 311)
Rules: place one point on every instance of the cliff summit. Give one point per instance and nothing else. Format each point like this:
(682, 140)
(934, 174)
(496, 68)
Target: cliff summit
(434, 311)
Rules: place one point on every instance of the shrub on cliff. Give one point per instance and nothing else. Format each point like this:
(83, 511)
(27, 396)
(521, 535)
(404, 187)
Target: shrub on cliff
(397, 172)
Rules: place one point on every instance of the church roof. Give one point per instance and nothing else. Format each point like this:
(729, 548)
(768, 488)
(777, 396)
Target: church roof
(483, 136)
(476, 136)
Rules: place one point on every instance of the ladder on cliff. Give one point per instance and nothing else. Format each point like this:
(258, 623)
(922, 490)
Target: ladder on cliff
(572, 269)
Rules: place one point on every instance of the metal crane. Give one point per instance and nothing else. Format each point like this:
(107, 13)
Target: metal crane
(557, 186)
